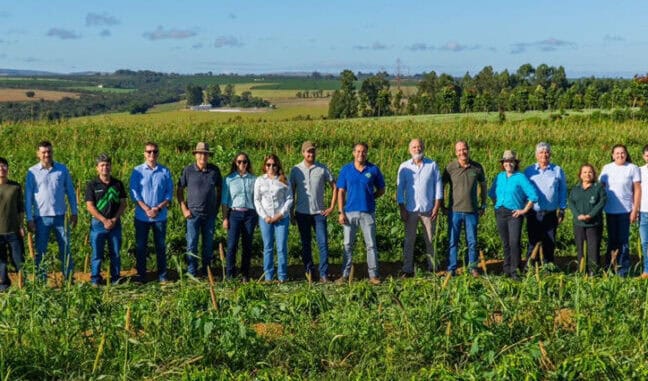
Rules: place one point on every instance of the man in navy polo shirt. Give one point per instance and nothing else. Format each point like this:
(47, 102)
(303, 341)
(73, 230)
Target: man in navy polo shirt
(204, 183)
(359, 185)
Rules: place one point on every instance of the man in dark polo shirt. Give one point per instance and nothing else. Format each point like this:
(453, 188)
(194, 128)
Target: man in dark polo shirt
(203, 182)
(465, 207)
(105, 198)
(12, 214)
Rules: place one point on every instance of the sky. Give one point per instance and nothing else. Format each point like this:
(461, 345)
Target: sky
(595, 37)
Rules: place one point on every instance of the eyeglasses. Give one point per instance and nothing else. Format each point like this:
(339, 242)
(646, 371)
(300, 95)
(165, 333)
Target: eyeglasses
(241, 161)
(153, 151)
(271, 165)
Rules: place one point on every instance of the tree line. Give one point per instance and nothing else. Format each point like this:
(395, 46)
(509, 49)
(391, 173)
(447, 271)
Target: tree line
(543, 88)
(212, 95)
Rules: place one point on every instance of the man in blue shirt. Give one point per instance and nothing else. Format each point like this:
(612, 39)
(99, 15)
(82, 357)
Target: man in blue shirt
(48, 184)
(151, 188)
(551, 186)
(419, 194)
(359, 185)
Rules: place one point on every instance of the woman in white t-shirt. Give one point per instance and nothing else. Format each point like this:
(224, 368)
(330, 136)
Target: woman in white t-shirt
(622, 182)
(643, 213)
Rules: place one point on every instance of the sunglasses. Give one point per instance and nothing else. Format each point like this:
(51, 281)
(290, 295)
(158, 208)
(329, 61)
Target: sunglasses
(153, 151)
(271, 165)
(241, 161)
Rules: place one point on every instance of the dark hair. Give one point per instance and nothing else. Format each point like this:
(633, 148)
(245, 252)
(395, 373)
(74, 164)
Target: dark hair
(234, 167)
(516, 165)
(645, 148)
(628, 158)
(585, 166)
(280, 172)
(365, 145)
(4, 161)
(464, 142)
(149, 143)
(45, 144)
(103, 158)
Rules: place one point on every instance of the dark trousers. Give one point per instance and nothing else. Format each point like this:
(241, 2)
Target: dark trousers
(541, 227)
(240, 224)
(510, 231)
(592, 237)
(15, 245)
(306, 224)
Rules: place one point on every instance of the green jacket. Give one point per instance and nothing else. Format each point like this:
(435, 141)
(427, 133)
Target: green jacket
(588, 201)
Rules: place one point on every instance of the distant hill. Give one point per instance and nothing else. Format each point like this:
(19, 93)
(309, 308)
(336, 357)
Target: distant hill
(24, 73)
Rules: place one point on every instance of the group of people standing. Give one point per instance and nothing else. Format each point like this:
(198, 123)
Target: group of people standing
(273, 199)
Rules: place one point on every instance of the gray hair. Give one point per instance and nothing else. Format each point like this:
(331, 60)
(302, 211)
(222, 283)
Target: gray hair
(543, 146)
(103, 158)
(419, 140)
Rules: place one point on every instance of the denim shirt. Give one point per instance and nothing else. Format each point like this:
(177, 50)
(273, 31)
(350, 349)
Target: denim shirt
(512, 192)
(238, 191)
(46, 189)
(551, 186)
(272, 197)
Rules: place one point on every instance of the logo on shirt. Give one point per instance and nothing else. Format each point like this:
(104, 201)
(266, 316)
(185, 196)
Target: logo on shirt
(368, 175)
(592, 200)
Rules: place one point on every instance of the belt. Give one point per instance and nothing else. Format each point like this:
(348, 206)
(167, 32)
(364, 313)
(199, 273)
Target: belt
(240, 209)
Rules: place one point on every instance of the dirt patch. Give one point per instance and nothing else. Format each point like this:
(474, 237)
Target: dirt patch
(19, 95)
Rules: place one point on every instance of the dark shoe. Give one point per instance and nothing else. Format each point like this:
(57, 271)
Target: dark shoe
(475, 273)
(374, 280)
(404, 274)
(245, 279)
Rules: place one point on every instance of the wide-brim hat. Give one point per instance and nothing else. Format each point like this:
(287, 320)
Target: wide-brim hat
(509, 156)
(202, 147)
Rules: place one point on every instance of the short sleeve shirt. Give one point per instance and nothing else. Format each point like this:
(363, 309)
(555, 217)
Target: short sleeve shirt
(201, 189)
(106, 197)
(360, 187)
(309, 184)
(619, 183)
(463, 185)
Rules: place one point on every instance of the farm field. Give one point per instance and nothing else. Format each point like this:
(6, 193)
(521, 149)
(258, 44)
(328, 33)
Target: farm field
(18, 95)
(559, 325)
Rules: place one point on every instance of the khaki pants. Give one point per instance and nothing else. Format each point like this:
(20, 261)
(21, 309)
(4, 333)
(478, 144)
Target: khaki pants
(411, 224)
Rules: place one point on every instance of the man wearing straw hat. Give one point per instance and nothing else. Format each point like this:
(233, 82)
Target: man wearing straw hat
(203, 182)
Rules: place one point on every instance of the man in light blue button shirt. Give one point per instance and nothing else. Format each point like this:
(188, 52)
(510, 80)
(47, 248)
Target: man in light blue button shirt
(419, 194)
(551, 186)
(48, 184)
(151, 188)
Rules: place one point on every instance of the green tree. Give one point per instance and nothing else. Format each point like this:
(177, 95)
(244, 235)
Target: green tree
(375, 98)
(213, 95)
(194, 95)
(344, 103)
(228, 94)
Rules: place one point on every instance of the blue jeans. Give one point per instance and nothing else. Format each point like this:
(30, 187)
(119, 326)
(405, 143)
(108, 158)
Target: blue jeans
(271, 233)
(470, 221)
(306, 224)
(16, 247)
(240, 224)
(618, 229)
(44, 225)
(99, 237)
(142, 229)
(367, 223)
(205, 226)
(643, 233)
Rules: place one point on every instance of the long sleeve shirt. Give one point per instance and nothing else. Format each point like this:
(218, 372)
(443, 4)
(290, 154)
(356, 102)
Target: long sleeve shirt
(238, 191)
(512, 192)
(418, 187)
(46, 189)
(272, 197)
(151, 186)
(590, 201)
(551, 186)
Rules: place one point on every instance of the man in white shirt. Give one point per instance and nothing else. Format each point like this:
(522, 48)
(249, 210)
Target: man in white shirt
(419, 195)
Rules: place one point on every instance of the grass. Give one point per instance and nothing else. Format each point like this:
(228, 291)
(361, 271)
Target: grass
(96, 89)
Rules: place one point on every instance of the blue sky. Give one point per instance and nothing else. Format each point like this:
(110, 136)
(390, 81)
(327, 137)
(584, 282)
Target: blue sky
(601, 38)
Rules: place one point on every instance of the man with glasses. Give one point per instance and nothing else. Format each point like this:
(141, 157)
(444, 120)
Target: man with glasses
(48, 184)
(12, 213)
(151, 188)
(359, 185)
(203, 182)
(308, 181)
